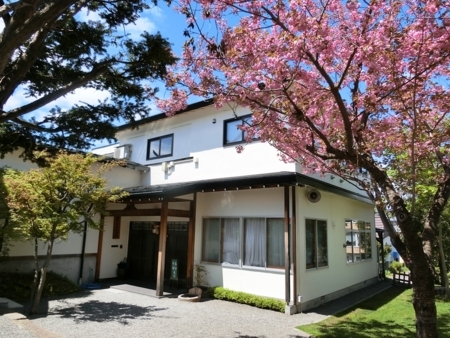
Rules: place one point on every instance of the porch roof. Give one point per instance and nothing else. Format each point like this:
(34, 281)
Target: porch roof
(259, 181)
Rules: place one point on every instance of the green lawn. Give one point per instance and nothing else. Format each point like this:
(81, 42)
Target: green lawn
(389, 314)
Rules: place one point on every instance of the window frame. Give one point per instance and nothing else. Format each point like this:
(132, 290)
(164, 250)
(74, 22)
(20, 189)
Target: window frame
(160, 138)
(352, 230)
(225, 129)
(317, 263)
(242, 243)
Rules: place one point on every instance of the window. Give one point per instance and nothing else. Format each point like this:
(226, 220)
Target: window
(316, 243)
(160, 147)
(358, 239)
(262, 241)
(232, 132)
(116, 227)
(221, 240)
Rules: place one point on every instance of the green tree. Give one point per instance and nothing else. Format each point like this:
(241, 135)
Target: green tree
(47, 203)
(47, 49)
(5, 227)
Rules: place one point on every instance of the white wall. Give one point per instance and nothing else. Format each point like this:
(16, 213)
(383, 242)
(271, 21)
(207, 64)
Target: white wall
(270, 203)
(73, 245)
(12, 160)
(195, 135)
(244, 203)
(314, 283)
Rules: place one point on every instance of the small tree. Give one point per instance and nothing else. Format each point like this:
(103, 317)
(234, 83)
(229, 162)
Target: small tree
(46, 204)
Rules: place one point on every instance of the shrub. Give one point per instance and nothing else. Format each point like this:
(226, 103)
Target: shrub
(17, 286)
(246, 298)
(396, 267)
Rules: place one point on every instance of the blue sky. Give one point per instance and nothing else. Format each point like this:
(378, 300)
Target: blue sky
(161, 19)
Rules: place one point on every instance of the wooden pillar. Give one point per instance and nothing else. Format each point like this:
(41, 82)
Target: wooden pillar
(99, 248)
(191, 244)
(287, 265)
(162, 249)
(294, 243)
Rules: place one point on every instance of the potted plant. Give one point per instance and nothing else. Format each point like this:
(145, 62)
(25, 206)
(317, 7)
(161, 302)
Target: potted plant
(122, 268)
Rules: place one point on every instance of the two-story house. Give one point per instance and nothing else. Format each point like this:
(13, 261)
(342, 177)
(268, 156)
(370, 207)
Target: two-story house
(256, 224)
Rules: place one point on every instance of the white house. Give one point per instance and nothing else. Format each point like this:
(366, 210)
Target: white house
(255, 223)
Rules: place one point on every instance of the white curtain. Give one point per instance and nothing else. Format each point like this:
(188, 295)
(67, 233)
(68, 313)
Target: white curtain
(255, 242)
(231, 240)
(275, 242)
(211, 243)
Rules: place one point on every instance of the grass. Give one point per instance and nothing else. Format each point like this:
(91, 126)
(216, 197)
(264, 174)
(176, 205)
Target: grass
(389, 314)
(17, 286)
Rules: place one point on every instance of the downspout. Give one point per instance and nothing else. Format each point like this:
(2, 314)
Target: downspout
(83, 248)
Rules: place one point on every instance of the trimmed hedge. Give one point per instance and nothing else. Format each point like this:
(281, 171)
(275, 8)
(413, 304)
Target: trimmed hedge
(219, 292)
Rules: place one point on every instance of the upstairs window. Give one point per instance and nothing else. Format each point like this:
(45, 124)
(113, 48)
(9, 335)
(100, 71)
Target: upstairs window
(160, 147)
(232, 133)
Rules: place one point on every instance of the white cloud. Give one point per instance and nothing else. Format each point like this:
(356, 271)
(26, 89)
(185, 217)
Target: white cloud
(84, 15)
(79, 96)
(155, 12)
(136, 29)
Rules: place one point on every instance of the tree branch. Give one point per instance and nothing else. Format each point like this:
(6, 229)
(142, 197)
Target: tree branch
(100, 69)
(25, 23)
(10, 7)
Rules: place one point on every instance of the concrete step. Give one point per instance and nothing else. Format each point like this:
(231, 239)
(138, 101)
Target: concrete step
(8, 304)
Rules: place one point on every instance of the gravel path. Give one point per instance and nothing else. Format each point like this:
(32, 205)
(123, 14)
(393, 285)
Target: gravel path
(113, 313)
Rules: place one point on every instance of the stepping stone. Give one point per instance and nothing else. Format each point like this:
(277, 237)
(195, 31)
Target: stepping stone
(8, 304)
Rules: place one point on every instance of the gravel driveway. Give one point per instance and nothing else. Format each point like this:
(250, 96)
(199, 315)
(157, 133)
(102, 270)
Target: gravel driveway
(115, 313)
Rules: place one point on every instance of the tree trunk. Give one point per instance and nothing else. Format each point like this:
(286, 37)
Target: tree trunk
(36, 272)
(36, 297)
(443, 269)
(424, 301)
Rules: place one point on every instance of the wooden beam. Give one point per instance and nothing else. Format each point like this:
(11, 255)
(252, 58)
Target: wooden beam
(135, 212)
(294, 242)
(149, 212)
(179, 213)
(162, 250)
(138, 200)
(287, 265)
(191, 245)
(99, 248)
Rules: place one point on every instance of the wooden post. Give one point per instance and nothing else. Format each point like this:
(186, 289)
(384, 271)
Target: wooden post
(99, 248)
(162, 250)
(287, 264)
(294, 243)
(191, 244)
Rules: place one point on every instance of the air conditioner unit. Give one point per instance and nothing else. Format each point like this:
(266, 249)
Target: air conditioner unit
(313, 195)
(123, 152)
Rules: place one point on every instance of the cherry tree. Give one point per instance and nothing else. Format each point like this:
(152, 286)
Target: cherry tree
(355, 88)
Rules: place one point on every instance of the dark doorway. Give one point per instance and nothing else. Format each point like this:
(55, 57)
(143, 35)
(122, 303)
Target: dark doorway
(143, 248)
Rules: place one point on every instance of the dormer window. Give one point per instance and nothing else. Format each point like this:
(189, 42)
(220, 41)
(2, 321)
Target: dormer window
(160, 147)
(232, 133)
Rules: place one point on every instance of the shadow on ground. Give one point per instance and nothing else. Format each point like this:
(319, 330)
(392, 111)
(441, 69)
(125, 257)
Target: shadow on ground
(97, 311)
(340, 305)
(246, 336)
(377, 329)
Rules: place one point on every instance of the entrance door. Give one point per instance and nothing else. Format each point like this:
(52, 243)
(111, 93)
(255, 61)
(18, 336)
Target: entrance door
(176, 248)
(143, 251)
(143, 248)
